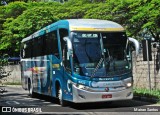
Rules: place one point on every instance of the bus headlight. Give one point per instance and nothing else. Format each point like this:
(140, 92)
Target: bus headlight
(128, 85)
(79, 86)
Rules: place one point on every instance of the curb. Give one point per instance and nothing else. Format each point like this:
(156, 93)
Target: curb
(14, 85)
(147, 99)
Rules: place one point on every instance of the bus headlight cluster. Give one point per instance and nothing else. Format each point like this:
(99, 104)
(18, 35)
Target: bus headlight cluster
(79, 86)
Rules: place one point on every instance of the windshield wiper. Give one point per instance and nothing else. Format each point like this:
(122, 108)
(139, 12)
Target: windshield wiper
(102, 58)
(97, 67)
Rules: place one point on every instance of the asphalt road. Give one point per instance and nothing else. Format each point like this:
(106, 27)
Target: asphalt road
(17, 101)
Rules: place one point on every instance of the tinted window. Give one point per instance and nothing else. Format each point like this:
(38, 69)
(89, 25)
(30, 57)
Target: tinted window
(43, 45)
(27, 49)
(51, 44)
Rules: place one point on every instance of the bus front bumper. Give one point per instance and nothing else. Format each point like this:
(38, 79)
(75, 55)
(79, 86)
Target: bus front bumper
(83, 96)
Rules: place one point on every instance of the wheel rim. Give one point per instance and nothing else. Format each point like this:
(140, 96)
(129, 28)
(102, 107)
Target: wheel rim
(60, 95)
(30, 88)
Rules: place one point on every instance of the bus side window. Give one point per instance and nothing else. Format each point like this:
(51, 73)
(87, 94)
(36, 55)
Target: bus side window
(65, 60)
(27, 49)
(41, 45)
(22, 53)
(37, 46)
(64, 33)
(52, 44)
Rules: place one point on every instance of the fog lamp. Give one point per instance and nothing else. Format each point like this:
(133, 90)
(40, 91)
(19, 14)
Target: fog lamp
(129, 84)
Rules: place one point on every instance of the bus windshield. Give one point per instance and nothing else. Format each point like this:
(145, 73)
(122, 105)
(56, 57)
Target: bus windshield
(100, 54)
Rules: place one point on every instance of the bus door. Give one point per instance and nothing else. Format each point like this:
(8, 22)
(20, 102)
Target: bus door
(66, 64)
(54, 55)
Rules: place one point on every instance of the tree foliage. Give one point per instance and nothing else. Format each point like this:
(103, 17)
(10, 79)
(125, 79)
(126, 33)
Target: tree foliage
(145, 15)
(27, 23)
(20, 19)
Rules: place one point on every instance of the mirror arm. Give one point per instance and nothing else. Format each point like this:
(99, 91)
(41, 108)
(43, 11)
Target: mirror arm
(136, 43)
(69, 44)
(69, 47)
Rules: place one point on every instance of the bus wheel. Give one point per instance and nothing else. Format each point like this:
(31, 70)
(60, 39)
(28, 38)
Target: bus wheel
(30, 89)
(61, 101)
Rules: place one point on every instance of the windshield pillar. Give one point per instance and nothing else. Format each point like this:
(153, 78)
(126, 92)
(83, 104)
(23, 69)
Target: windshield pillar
(103, 50)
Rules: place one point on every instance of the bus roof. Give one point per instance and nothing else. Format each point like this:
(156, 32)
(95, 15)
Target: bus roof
(79, 25)
(93, 25)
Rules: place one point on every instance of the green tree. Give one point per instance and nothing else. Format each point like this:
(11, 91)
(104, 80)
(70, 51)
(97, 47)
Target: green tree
(20, 19)
(145, 15)
(24, 25)
(13, 10)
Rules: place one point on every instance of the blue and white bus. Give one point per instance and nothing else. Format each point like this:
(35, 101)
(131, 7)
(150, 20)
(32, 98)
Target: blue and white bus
(79, 60)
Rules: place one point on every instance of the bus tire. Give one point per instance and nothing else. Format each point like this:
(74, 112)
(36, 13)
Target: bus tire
(61, 101)
(30, 88)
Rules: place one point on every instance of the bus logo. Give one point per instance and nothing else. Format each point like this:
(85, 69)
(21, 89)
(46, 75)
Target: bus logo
(6, 109)
(107, 89)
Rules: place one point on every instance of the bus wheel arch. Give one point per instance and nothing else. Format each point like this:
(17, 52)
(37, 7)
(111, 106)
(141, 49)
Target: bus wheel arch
(59, 94)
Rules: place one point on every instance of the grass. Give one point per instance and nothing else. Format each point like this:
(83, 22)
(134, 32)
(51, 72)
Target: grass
(12, 83)
(147, 93)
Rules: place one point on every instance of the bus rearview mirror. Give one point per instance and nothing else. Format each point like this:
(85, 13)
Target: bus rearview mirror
(69, 43)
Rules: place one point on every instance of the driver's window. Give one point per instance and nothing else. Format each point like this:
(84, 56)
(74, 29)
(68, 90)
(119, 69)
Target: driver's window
(65, 60)
(64, 33)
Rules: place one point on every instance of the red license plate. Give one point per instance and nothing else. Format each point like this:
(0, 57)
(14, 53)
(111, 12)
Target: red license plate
(107, 96)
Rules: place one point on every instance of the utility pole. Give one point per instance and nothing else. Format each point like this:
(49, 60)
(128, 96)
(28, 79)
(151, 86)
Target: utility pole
(147, 57)
(149, 77)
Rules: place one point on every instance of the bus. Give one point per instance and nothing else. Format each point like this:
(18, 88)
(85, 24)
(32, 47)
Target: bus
(79, 61)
